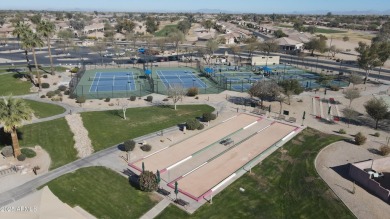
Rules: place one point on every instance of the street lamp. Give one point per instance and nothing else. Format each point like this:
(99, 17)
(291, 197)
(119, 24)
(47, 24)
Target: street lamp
(128, 85)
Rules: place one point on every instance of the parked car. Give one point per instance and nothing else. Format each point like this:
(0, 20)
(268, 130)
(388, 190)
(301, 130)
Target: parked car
(109, 55)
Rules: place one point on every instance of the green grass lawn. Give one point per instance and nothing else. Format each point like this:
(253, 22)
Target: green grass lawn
(54, 136)
(107, 128)
(329, 31)
(102, 192)
(43, 110)
(9, 84)
(285, 185)
(165, 31)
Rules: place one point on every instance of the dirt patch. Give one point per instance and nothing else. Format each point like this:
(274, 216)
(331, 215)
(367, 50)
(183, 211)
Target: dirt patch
(287, 158)
(310, 179)
(296, 142)
(154, 197)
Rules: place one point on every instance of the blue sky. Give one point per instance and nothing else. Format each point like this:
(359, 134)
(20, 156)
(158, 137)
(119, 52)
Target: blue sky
(260, 6)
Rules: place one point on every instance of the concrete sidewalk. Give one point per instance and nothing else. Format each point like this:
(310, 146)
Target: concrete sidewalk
(156, 210)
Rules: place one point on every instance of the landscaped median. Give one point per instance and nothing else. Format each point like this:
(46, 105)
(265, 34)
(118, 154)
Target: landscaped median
(43, 110)
(107, 128)
(103, 193)
(284, 185)
(12, 84)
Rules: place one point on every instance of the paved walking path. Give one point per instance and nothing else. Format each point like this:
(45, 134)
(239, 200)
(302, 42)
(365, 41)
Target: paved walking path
(156, 210)
(29, 187)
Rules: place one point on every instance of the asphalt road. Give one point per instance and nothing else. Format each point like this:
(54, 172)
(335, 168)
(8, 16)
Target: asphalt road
(85, 54)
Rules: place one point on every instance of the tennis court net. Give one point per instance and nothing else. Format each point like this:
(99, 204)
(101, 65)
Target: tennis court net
(113, 78)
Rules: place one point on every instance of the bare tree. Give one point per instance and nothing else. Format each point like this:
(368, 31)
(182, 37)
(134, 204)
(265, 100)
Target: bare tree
(334, 50)
(351, 94)
(265, 90)
(124, 105)
(176, 92)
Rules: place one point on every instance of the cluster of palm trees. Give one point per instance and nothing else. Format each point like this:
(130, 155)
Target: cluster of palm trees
(30, 40)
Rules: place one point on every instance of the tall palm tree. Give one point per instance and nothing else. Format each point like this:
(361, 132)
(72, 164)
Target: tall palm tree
(12, 113)
(20, 30)
(30, 41)
(46, 29)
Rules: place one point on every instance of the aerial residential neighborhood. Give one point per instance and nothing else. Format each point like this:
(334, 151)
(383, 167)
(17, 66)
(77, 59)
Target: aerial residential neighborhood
(194, 109)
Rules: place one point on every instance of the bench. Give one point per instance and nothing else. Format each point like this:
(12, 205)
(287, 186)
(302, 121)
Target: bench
(281, 117)
(292, 120)
(181, 202)
(163, 192)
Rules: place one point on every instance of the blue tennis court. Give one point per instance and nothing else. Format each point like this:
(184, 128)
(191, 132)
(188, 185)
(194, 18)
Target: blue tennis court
(112, 81)
(184, 78)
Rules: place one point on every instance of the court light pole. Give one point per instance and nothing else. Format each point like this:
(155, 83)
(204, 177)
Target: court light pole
(128, 88)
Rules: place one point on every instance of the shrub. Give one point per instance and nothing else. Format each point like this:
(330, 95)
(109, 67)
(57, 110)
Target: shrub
(7, 151)
(201, 126)
(334, 88)
(147, 181)
(192, 124)
(360, 138)
(377, 134)
(28, 152)
(45, 85)
(44, 76)
(192, 91)
(74, 70)
(21, 157)
(50, 94)
(149, 98)
(129, 145)
(342, 131)
(62, 88)
(107, 99)
(146, 147)
(385, 150)
(67, 92)
(57, 92)
(208, 117)
(133, 98)
(72, 96)
(196, 98)
(43, 96)
(81, 99)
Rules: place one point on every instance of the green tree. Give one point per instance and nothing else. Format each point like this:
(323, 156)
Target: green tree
(148, 181)
(368, 57)
(21, 29)
(324, 79)
(151, 25)
(207, 24)
(311, 29)
(36, 19)
(184, 26)
(298, 25)
(279, 34)
(290, 87)
(30, 41)
(316, 44)
(12, 114)
(46, 29)
(269, 46)
(383, 53)
(351, 94)
(251, 47)
(377, 109)
(235, 49)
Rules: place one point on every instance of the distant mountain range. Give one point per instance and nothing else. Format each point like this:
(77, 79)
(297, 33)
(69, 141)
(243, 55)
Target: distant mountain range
(217, 11)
